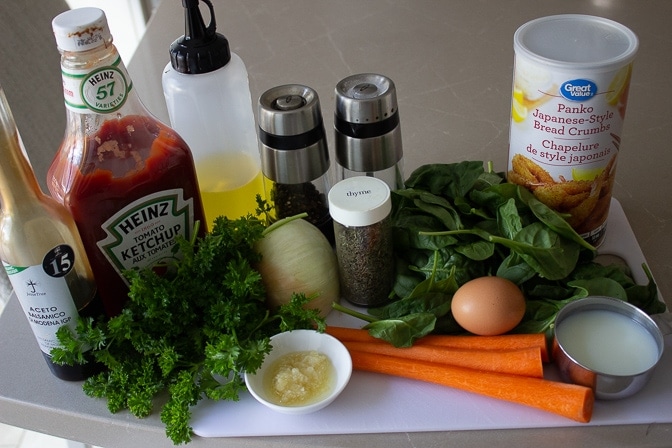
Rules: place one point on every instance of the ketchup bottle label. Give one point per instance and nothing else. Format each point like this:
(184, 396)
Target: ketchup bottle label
(103, 90)
(143, 233)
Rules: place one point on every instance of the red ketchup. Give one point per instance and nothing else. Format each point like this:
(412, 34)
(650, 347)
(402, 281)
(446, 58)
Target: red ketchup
(131, 193)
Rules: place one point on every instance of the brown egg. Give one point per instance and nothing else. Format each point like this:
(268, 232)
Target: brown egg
(488, 306)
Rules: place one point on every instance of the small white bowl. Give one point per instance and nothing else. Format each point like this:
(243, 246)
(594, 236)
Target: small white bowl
(297, 341)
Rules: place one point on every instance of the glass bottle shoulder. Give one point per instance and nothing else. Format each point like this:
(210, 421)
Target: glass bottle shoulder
(33, 228)
(121, 143)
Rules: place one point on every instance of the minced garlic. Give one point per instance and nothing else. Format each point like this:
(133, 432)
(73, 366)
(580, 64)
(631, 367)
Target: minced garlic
(299, 378)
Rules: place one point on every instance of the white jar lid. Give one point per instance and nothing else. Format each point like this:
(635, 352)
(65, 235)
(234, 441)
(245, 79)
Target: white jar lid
(576, 41)
(360, 201)
(81, 29)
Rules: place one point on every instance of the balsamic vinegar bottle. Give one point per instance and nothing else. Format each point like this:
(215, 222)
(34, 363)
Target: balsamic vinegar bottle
(41, 250)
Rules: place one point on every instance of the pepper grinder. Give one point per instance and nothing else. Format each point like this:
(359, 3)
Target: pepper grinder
(367, 129)
(294, 154)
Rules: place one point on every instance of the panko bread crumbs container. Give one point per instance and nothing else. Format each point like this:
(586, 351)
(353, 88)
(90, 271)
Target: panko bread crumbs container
(570, 89)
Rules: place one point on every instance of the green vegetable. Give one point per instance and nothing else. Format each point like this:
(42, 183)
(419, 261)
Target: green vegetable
(456, 222)
(189, 333)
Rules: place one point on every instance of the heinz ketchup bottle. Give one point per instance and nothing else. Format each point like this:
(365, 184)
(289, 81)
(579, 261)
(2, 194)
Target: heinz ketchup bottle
(128, 180)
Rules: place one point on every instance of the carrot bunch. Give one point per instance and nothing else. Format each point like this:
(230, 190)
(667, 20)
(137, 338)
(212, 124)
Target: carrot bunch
(507, 367)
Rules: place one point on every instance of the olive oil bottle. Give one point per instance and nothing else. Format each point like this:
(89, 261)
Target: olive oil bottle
(41, 250)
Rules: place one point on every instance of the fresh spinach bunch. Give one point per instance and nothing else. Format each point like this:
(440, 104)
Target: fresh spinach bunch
(456, 222)
(189, 333)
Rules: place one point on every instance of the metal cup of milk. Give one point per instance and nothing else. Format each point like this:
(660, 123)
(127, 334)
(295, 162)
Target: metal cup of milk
(570, 90)
(606, 344)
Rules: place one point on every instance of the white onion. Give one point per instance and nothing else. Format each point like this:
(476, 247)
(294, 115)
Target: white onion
(297, 258)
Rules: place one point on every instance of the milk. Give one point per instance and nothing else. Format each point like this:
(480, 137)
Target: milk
(607, 342)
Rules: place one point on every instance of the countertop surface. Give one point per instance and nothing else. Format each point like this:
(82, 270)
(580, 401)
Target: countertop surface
(452, 64)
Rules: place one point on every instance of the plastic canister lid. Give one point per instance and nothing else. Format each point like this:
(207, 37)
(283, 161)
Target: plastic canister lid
(360, 201)
(576, 40)
(81, 29)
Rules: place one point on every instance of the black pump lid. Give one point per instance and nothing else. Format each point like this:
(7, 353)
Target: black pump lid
(202, 49)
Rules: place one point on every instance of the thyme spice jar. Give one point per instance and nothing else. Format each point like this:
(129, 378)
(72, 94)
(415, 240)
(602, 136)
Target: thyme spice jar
(360, 207)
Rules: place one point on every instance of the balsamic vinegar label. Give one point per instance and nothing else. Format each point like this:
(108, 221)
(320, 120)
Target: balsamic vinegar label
(44, 294)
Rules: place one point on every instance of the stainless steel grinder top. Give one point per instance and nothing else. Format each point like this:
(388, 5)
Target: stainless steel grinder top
(366, 122)
(291, 134)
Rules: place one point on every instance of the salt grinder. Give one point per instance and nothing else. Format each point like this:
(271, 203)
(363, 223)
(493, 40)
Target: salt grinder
(367, 129)
(294, 154)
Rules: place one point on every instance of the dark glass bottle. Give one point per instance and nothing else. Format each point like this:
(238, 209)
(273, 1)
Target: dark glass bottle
(41, 251)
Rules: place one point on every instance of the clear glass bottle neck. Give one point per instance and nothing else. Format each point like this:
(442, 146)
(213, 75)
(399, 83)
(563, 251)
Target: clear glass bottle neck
(18, 184)
(100, 56)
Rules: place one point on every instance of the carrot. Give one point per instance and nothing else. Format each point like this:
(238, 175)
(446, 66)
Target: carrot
(502, 342)
(568, 400)
(350, 334)
(525, 361)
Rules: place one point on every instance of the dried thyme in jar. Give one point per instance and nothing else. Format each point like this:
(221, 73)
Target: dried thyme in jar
(360, 207)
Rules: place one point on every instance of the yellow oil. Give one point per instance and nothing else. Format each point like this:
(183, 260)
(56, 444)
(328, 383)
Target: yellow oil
(229, 185)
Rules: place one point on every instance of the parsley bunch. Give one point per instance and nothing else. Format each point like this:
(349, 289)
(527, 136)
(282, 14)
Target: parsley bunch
(190, 333)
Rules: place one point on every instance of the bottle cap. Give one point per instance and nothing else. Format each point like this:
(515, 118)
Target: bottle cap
(366, 123)
(292, 138)
(365, 99)
(360, 201)
(81, 29)
(201, 49)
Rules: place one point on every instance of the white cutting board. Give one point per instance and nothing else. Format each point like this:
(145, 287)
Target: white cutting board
(373, 403)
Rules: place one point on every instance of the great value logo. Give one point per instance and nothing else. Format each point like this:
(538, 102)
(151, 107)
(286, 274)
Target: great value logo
(578, 89)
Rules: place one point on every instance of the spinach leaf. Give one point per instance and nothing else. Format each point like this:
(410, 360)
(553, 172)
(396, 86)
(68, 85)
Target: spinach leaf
(451, 180)
(550, 255)
(514, 268)
(431, 295)
(552, 219)
(403, 331)
(600, 287)
(508, 219)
